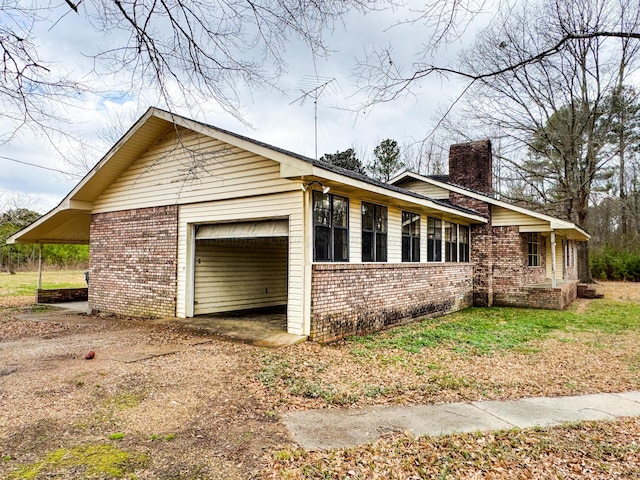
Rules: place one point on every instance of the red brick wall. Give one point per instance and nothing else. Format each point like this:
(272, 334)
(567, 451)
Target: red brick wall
(132, 265)
(499, 255)
(511, 269)
(355, 299)
(481, 256)
(60, 295)
(471, 166)
(541, 297)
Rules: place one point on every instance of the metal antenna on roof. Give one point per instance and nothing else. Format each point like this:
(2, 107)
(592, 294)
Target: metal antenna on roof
(313, 86)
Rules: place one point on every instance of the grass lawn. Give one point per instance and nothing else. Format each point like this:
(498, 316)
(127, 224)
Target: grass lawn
(496, 353)
(479, 353)
(24, 283)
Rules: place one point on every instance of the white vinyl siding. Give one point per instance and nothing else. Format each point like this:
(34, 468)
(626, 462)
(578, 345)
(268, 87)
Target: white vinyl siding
(188, 167)
(394, 236)
(504, 217)
(559, 257)
(424, 188)
(355, 230)
(241, 274)
(277, 206)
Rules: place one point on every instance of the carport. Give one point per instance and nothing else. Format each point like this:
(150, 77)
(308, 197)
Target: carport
(241, 267)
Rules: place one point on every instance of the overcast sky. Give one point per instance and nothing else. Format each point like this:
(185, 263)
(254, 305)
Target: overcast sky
(272, 117)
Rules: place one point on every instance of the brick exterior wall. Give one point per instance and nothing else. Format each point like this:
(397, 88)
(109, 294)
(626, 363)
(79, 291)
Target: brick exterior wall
(500, 254)
(356, 299)
(543, 297)
(481, 256)
(502, 277)
(483, 208)
(60, 295)
(510, 269)
(132, 264)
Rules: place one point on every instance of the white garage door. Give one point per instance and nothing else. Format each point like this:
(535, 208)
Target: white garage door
(241, 266)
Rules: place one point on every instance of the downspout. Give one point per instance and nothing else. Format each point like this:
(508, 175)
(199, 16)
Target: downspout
(553, 259)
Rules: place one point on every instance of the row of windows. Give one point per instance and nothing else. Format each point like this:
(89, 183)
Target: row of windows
(331, 233)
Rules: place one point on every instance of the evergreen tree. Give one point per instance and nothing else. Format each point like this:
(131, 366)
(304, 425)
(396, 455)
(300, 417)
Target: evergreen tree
(346, 159)
(386, 160)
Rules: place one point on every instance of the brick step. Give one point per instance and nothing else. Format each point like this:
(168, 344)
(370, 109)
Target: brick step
(588, 291)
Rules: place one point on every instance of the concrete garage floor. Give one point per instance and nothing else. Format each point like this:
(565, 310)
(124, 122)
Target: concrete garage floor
(262, 327)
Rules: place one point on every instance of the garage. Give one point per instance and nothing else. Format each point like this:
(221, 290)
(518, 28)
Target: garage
(241, 266)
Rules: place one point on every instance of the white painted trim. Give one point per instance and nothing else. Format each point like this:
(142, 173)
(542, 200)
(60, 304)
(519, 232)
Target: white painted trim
(190, 271)
(307, 260)
(553, 259)
(555, 223)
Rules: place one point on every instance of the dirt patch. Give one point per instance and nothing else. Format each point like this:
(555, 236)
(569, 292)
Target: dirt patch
(189, 409)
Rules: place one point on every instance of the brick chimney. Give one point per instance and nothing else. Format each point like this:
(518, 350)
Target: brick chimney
(471, 166)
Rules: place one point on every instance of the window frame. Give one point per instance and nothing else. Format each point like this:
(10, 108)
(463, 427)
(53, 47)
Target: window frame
(434, 245)
(378, 234)
(464, 248)
(412, 254)
(450, 242)
(332, 227)
(534, 259)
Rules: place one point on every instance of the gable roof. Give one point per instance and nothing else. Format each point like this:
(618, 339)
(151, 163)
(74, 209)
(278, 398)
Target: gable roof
(441, 181)
(69, 221)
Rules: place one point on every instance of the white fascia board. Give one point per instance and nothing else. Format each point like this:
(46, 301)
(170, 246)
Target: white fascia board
(245, 144)
(335, 177)
(12, 239)
(71, 204)
(295, 167)
(112, 151)
(555, 223)
(405, 174)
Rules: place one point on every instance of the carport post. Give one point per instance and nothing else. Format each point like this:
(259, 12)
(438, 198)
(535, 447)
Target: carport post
(553, 259)
(40, 268)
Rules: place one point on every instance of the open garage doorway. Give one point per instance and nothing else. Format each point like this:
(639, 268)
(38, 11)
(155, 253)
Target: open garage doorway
(241, 272)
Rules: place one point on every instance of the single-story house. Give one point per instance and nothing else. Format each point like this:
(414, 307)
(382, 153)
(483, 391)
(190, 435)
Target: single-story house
(184, 219)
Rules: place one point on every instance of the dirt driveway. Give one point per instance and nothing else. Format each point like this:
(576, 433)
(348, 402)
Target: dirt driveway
(156, 402)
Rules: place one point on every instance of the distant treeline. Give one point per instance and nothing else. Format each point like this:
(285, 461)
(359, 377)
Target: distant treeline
(25, 257)
(609, 263)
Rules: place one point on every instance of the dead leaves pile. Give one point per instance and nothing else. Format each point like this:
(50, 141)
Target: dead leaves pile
(592, 450)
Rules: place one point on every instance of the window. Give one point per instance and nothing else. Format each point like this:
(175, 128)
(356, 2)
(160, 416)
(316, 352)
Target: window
(410, 237)
(534, 250)
(450, 242)
(463, 245)
(330, 228)
(434, 240)
(374, 233)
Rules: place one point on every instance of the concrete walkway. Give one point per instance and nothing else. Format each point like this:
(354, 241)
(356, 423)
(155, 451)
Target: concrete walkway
(337, 428)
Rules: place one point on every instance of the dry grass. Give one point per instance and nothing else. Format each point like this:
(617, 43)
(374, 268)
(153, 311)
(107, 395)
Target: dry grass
(25, 283)
(626, 291)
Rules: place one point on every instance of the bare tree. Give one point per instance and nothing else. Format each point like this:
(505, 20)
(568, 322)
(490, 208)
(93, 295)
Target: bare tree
(383, 78)
(189, 50)
(553, 114)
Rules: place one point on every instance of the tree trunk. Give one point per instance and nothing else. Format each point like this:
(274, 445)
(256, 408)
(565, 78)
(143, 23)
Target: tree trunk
(584, 269)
